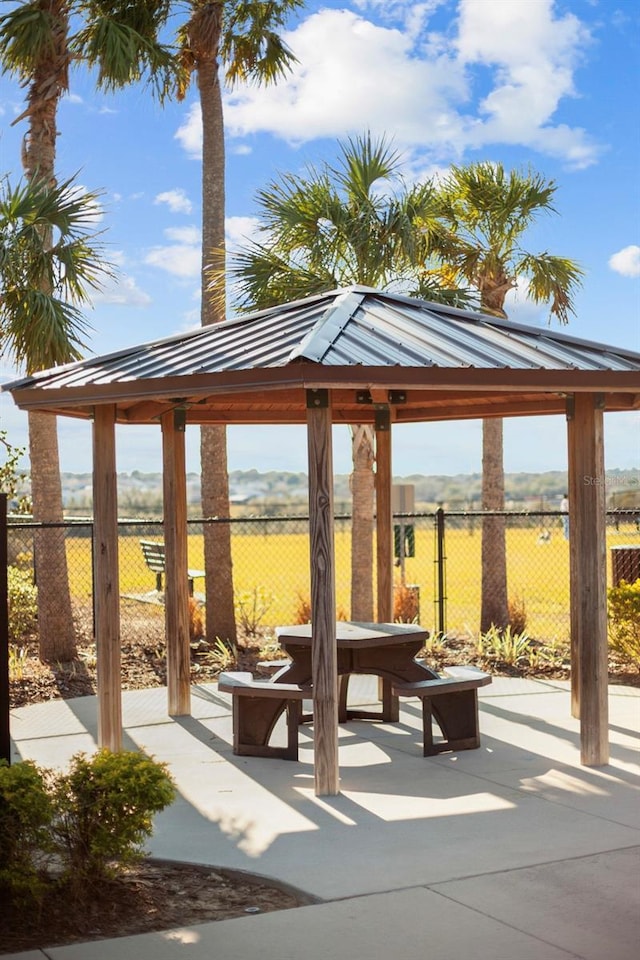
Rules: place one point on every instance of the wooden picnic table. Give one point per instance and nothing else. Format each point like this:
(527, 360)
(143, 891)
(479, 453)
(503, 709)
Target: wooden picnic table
(386, 650)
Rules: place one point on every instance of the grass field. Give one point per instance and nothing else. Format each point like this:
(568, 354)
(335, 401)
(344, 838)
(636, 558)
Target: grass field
(275, 567)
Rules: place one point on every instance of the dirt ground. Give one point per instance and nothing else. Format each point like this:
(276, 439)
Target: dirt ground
(150, 896)
(153, 895)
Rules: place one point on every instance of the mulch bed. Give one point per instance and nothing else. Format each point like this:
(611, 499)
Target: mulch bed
(150, 896)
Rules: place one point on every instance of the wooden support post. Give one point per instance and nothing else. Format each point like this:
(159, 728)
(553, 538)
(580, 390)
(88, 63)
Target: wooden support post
(176, 595)
(384, 518)
(106, 578)
(573, 484)
(588, 571)
(324, 653)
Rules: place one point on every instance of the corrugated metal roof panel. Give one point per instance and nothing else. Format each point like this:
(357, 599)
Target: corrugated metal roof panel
(351, 327)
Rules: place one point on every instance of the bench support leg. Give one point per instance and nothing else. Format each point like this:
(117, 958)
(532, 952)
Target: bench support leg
(253, 722)
(457, 716)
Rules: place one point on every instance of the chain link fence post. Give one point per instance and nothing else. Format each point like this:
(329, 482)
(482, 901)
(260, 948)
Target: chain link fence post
(440, 561)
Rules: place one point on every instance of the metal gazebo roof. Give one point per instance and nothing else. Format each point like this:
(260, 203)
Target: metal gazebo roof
(256, 368)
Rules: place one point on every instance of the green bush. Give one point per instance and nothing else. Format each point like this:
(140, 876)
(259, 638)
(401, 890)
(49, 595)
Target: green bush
(23, 604)
(87, 822)
(624, 620)
(104, 808)
(26, 814)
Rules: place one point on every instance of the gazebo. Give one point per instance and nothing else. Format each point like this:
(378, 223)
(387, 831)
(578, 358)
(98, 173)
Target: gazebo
(352, 356)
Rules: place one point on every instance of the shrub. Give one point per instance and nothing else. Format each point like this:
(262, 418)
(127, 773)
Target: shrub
(18, 659)
(88, 822)
(223, 655)
(196, 619)
(624, 620)
(25, 817)
(23, 604)
(103, 812)
(406, 604)
(517, 614)
(504, 645)
(251, 609)
(303, 610)
(270, 649)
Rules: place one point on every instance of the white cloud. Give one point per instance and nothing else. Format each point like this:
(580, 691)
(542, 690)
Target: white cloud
(351, 75)
(94, 212)
(241, 149)
(427, 87)
(177, 200)
(626, 261)
(533, 72)
(187, 235)
(240, 229)
(182, 258)
(124, 291)
(190, 132)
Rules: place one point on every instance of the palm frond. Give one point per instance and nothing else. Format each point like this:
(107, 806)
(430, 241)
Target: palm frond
(353, 221)
(50, 262)
(553, 280)
(28, 37)
(251, 47)
(126, 52)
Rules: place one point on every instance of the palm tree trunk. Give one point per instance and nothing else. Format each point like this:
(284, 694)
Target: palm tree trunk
(220, 614)
(494, 607)
(362, 492)
(55, 620)
(55, 617)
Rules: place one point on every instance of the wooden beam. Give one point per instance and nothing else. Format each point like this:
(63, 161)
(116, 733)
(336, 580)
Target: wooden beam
(106, 579)
(588, 573)
(324, 653)
(176, 598)
(384, 523)
(573, 483)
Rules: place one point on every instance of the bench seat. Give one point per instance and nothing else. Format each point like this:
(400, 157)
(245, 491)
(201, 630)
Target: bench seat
(154, 557)
(456, 708)
(256, 706)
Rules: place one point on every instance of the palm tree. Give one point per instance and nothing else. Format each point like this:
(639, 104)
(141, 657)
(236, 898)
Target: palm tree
(37, 46)
(49, 264)
(352, 223)
(487, 211)
(243, 38)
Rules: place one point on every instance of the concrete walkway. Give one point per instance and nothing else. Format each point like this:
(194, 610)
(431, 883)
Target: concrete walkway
(510, 852)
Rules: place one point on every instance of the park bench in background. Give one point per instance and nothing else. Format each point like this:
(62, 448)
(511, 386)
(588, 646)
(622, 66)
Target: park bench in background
(153, 552)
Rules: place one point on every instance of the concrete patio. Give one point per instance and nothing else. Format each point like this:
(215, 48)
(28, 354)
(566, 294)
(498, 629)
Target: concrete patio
(511, 852)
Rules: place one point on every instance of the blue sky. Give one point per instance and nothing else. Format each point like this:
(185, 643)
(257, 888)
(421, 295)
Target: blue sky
(551, 85)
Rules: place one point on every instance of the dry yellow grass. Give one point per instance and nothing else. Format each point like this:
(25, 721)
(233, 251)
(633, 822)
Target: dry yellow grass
(277, 565)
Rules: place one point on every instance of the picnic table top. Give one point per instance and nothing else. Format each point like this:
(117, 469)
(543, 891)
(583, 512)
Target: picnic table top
(350, 632)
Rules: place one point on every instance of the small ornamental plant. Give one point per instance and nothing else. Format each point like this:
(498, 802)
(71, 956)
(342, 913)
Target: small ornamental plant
(26, 814)
(78, 828)
(104, 810)
(23, 603)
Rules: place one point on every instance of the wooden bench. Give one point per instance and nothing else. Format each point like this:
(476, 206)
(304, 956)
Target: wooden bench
(256, 707)
(453, 699)
(153, 553)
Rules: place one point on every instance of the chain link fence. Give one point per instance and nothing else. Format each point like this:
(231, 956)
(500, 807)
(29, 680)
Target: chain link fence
(437, 572)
